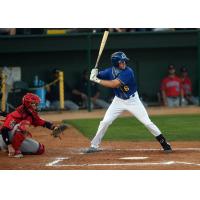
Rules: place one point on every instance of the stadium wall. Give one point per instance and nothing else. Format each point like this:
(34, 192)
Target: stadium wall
(150, 53)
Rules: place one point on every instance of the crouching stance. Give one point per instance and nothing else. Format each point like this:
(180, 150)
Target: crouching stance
(14, 134)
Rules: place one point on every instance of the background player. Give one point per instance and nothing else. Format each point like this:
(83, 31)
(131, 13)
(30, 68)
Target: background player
(171, 88)
(122, 79)
(15, 136)
(187, 88)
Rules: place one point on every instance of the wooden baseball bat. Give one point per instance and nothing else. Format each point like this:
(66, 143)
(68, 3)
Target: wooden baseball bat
(103, 42)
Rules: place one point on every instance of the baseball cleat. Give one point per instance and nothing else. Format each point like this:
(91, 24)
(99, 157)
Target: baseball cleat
(17, 154)
(165, 145)
(167, 148)
(92, 150)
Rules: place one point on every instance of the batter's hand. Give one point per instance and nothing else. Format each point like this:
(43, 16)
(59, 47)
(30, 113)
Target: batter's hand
(93, 75)
(95, 79)
(94, 72)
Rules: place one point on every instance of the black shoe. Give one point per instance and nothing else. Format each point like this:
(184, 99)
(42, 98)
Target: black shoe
(165, 145)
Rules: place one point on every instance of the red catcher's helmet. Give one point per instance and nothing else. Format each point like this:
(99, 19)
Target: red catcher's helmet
(31, 102)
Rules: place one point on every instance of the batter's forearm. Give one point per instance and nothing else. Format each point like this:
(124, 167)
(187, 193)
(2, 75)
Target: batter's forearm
(110, 84)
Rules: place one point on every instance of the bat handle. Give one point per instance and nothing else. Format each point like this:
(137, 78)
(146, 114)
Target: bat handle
(96, 65)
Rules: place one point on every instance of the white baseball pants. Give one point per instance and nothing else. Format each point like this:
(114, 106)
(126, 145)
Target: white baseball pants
(134, 106)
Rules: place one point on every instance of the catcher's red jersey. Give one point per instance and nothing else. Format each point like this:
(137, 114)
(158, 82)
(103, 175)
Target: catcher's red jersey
(21, 114)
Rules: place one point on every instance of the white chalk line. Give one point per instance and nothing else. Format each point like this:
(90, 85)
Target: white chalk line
(174, 149)
(168, 163)
(81, 151)
(56, 161)
(133, 158)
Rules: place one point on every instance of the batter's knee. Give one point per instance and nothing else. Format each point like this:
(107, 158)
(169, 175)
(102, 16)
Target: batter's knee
(41, 149)
(146, 122)
(106, 122)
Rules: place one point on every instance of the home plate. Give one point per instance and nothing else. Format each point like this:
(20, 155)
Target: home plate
(134, 158)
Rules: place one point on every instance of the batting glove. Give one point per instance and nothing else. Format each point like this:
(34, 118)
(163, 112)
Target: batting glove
(94, 71)
(94, 79)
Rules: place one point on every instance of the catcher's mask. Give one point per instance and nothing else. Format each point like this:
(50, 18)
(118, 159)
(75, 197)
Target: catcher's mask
(118, 57)
(31, 102)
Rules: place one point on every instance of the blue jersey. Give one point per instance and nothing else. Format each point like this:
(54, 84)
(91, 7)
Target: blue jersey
(126, 76)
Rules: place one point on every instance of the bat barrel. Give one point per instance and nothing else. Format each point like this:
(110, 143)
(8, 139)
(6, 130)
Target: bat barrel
(103, 42)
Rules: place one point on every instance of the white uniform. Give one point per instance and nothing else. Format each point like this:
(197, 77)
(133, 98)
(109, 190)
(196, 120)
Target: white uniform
(134, 106)
(126, 99)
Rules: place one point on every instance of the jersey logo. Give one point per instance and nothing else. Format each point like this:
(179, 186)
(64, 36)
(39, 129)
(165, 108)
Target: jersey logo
(123, 56)
(124, 88)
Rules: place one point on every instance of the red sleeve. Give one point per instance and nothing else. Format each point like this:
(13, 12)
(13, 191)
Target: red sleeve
(10, 122)
(190, 82)
(190, 86)
(38, 121)
(181, 85)
(180, 82)
(163, 84)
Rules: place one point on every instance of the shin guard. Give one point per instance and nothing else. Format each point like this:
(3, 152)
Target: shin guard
(41, 149)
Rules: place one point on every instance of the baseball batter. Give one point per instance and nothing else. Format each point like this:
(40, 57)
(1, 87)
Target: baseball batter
(14, 135)
(122, 79)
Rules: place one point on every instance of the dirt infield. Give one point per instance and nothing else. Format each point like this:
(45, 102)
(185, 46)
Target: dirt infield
(68, 153)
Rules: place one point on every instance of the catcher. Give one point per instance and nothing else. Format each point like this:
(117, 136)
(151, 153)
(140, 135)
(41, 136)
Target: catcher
(14, 134)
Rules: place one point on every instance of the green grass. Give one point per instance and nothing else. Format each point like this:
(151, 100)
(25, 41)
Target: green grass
(174, 127)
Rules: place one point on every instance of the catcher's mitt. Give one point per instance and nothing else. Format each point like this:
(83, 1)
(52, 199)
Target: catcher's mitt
(58, 130)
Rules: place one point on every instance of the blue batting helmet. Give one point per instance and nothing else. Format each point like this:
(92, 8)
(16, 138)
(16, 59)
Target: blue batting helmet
(117, 57)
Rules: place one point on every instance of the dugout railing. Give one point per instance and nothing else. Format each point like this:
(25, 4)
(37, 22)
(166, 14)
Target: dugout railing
(5, 105)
